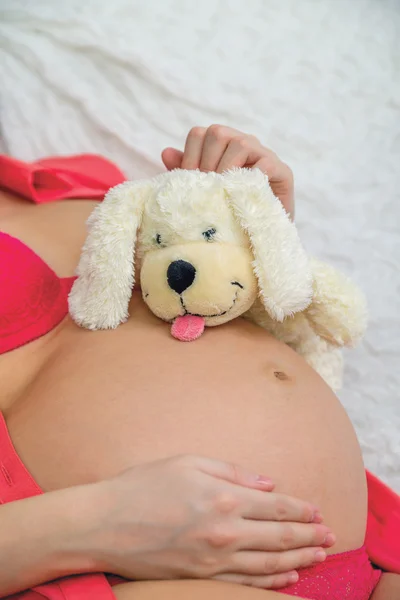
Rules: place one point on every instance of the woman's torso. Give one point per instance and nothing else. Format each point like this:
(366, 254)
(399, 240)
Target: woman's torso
(82, 405)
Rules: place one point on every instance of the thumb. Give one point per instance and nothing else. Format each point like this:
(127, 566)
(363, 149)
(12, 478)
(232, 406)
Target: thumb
(172, 158)
(234, 474)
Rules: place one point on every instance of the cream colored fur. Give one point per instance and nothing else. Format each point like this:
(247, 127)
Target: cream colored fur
(303, 302)
(280, 263)
(100, 296)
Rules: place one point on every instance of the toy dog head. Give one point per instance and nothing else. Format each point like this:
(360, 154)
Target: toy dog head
(207, 245)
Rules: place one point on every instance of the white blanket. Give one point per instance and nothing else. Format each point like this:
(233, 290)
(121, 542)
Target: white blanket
(317, 80)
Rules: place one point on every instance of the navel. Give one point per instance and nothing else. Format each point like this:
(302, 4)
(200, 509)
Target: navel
(281, 376)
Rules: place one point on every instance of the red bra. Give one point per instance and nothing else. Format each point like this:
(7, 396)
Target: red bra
(33, 299)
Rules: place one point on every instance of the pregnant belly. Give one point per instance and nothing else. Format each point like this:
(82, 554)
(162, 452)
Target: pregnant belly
(105, 401)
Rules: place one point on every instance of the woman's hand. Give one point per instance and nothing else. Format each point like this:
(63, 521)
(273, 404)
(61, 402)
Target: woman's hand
(193, 517)
(218, 148)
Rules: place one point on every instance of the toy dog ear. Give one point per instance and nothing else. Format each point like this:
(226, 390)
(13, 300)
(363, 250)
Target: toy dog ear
(280, 262)
(100, 297)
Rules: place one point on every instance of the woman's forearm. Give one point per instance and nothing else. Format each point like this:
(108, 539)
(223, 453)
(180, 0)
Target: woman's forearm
(44, 537)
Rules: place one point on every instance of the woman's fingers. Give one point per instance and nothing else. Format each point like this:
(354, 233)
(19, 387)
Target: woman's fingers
(277, 507)
(205, 147)
(266, 582)
(274, 536)
(172, 158)
(216, 141)
(270, 570)
(271, 563)
(218, 148)
(193, 148)
(240, 151)
(215, 148)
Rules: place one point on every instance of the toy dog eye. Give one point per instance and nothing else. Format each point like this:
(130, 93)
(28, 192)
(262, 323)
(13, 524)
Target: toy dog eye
(158, 239)
(209, 234)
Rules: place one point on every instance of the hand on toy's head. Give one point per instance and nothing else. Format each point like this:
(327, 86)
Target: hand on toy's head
(219, 148)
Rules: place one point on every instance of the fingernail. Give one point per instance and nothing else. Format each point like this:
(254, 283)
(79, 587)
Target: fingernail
(330, 539)
(320, 556)
(264, 480)
(317, 517)
(293, 577)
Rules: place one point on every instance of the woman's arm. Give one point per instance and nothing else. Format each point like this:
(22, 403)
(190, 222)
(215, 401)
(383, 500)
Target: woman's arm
(43, 537)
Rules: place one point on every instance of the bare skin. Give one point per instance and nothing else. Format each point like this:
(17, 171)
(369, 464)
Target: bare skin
(388, 588)
(195, 590)
(79, 390)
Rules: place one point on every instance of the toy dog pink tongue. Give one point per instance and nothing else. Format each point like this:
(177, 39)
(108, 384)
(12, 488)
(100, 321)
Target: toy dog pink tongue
(187, 328)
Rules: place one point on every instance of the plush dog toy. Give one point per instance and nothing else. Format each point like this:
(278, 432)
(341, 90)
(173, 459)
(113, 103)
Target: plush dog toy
(212, 247)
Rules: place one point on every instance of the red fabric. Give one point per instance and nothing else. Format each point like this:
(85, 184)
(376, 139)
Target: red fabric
(83, 176)
(80, 587)
(344, 576)
(33, 298)
(383, 527)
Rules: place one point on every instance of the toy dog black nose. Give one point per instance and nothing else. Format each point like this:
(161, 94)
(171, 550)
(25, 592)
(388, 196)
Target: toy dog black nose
(180, 275)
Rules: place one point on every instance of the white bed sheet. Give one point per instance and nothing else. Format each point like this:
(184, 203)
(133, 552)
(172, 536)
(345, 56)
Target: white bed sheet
(319, 81)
